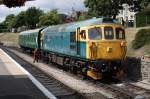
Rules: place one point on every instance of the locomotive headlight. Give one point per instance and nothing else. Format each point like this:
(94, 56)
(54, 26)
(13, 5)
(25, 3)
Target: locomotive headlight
(104, 68)
(109, 49)
(123, 43)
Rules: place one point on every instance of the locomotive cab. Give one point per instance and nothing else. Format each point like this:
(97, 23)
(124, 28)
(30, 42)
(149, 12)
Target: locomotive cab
(105, 42)
(105, 45)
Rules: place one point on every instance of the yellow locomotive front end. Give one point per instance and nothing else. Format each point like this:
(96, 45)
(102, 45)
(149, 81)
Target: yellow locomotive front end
(105, 49)
(106, 42)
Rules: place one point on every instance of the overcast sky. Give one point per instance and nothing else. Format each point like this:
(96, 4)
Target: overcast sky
(63, 6)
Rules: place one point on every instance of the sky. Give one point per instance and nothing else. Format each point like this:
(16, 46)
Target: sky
(63, 6)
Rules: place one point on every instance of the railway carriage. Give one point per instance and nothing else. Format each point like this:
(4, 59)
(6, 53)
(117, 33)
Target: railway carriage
(30, 40)
(94, 47)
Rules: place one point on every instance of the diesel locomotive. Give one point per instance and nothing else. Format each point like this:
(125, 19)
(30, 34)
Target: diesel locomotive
(94, 47)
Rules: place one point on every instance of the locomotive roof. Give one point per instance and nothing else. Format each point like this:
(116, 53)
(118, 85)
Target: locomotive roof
(69, 27)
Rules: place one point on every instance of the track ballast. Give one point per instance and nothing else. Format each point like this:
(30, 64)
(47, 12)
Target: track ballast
(60, 90)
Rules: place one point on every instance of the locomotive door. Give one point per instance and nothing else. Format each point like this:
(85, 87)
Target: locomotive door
(73, 43)
(81, 42)
(77, 39)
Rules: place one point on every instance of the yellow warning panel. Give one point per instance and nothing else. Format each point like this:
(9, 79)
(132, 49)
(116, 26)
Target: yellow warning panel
(94, 75)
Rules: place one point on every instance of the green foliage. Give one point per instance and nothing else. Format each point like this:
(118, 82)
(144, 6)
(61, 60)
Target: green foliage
(82, 16)
(9, 21)
(32, 16)
(3, 27)
(102, 7)
(29, 18)
(50, 18)
(142, 38)
(112, 7)
(148, 36)
(20, 20)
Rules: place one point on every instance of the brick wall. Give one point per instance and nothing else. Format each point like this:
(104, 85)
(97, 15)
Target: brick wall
(137, 68)
(145, 68)
(133, 68)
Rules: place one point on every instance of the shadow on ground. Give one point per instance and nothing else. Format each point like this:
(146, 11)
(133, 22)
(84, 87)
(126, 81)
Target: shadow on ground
(18, 87)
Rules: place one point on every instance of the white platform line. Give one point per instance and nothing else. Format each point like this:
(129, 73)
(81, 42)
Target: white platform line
(33, 79)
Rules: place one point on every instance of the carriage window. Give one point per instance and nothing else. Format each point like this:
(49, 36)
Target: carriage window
(108, 32)
(120, 33)
(95, 33)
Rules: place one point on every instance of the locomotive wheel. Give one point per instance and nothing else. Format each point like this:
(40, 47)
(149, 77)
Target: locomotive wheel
(74, 69)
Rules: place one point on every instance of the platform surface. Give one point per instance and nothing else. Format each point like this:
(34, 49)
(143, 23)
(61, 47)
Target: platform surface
(14, 83)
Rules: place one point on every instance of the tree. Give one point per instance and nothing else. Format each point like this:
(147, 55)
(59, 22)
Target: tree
(82, 15)
(3, 27)
(50, 18)
(9, 21)
(112, 7)
(20, 20)
(32, 17)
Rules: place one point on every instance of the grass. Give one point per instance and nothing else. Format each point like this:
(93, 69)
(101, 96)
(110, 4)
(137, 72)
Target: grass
(9, 37)
(130, 35)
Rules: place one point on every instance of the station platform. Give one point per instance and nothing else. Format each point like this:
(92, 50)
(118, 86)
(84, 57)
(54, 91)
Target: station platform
(14, 82)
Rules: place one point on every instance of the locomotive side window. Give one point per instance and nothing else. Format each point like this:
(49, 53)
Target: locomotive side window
(83, 34)
(73, 40)
(108, 32)
(120, 33)
(95, 33)
(72, 36)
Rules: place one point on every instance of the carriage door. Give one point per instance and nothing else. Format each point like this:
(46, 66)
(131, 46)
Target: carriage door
(81, 42)
(40, 39)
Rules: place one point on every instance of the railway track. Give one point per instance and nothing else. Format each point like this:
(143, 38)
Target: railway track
(60, 90)
(119, 91)
(134, 91)
(125, 90)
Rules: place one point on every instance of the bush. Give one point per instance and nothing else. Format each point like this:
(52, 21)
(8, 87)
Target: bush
(148, 36)
(142, 38)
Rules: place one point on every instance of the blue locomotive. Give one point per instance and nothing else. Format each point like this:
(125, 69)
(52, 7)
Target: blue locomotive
(93, 47)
